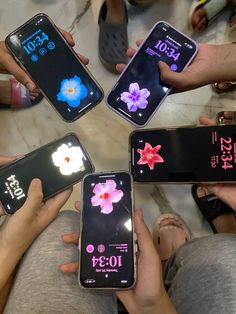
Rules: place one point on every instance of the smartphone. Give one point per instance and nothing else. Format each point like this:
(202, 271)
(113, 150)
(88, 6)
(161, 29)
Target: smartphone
(58, 164)
(185, 154)
(107, 255)
(226, 117)
(139, 91)
(44, 54)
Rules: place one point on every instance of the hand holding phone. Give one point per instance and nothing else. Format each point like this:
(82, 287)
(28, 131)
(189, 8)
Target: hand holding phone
(59, 165)
(184, 154)
(44, 54)
(107, 254)
(139, 91)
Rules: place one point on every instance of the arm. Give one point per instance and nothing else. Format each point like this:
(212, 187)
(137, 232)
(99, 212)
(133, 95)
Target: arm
(22, 228)
(213, 63)
(149, 294)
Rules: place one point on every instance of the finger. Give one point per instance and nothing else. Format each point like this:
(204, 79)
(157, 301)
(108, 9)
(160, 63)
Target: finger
(35, 196)
(71, 238)
(60, 199)
(130, 52)
(68, 37)
(5, 160)
(83, 59)
(170, 77)
(19, 74)
(144, 239)
(139, 42)
(69, 268)
(206, 121)
(120, 67)
(77, 205)
(2, 211)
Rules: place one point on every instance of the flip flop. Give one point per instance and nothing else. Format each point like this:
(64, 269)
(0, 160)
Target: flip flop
(169, 233)
(113, 40)
(212, 9)
(230, 87)
(211, 206)
(20, 97)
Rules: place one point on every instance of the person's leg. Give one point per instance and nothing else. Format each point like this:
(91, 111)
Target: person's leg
(40, 287)
(200, 276)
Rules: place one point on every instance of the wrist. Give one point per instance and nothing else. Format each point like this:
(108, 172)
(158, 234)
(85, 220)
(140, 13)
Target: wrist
(226, 66)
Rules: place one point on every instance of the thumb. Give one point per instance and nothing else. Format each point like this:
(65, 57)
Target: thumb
(167, 76)
(35, 195)
(144, 238)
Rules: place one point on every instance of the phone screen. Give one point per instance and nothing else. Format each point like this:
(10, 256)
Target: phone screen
(107, 252)
(58, 164)
(44, 53)
(139, 90)
(194, 154)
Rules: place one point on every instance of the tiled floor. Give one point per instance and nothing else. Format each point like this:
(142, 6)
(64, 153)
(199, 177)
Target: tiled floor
(105, 134)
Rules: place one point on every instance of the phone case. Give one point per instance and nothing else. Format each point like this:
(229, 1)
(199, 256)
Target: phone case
(40, 149)
(7, 40)
(81, 228)
(168, 92)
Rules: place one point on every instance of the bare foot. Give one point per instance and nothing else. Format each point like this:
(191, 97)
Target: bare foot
(224, 223)
(199, 20)
(115, 11)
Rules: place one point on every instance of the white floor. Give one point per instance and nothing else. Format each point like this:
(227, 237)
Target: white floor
(105, 134)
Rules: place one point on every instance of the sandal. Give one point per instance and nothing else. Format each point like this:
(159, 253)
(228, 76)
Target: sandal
(20, 97)
(113, 40)
(226, 117)
(211, 206)
(229, 86)
(211, 11)
(169, 233)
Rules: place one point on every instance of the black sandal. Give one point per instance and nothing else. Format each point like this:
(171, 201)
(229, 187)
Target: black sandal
(211, 206)
(113, 40)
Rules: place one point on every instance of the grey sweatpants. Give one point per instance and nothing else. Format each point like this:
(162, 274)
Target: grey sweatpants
(200, 276)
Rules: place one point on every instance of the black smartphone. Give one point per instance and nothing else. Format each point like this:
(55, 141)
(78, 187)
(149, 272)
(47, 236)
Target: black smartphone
(58, 164)
(139, 91)
(107, 257)
(44, 54)
(226, 117)
(186, 154)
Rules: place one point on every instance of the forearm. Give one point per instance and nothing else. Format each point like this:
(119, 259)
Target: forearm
(9, 260)
(226, 64)
(162, 306)
(5, 291)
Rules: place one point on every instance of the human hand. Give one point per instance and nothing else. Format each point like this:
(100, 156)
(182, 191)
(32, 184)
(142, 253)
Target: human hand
(9, 66)
(224, 191)
(148, 295)
(213, 63)
(31, 219)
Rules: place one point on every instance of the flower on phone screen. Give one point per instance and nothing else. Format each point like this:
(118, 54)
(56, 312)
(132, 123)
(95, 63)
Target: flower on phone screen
(72, 91)
(68, 159)
(105, 195)
(149, 156)
(135, 98)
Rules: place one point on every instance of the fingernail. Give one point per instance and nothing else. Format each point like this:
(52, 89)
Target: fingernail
(30, 86)
(160, 64)
(36, 182)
